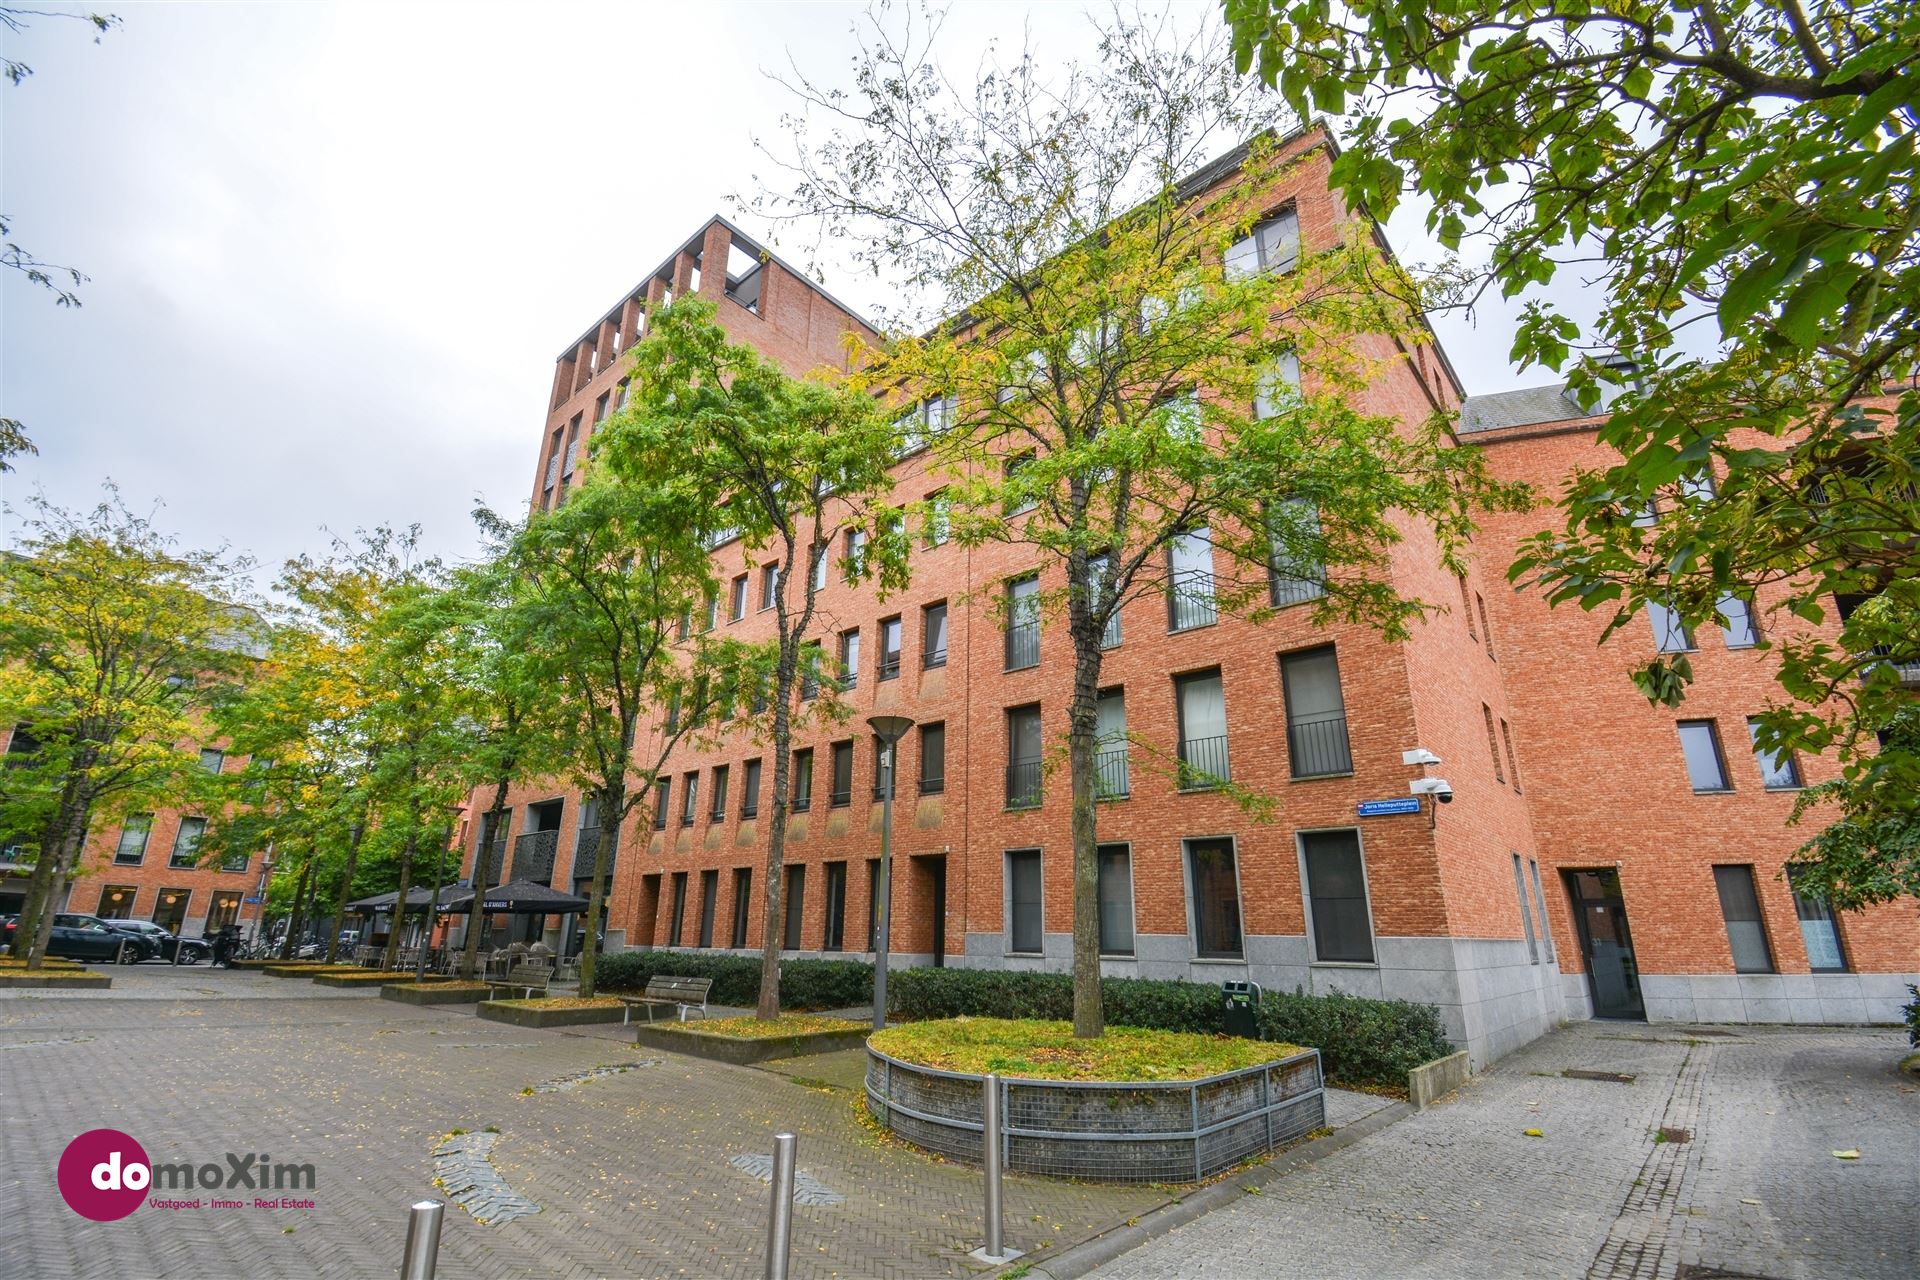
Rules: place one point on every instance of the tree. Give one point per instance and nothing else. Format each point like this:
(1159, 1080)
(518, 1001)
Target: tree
(596, 591)
(1117, 387)
(1736, 185)
(783, 465)
(113, 641)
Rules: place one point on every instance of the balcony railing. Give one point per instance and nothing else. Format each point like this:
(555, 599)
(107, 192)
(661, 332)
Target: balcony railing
(1111, 780)
(889, 666)
(1318, 745)
(1203, 763)
(802, 801)
(586, 845)
(1023, 646)
(1291, 589)
(933, 658)
(933, 786)
(841, 797)
(496, 859)
(1191, 604)
(1110, 638)
(809, 684)
(1023, 784)
(533, 856)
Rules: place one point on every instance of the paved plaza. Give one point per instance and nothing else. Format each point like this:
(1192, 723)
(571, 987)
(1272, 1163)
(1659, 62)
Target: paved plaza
(650, 1170)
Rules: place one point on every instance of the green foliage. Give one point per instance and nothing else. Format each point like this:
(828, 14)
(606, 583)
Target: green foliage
(1050, 1051)
(1911, 1011)
(1747, 173)
(804, 984)
(1361, 1041)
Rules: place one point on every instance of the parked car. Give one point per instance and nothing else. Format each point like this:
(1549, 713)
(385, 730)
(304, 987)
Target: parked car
(165, 944)
(349, 937)
(80, 937)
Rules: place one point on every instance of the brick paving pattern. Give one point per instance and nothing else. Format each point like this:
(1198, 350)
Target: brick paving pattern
(1460, 1190)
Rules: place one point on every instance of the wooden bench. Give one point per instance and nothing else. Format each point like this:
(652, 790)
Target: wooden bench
(523, 977)
(683, 993)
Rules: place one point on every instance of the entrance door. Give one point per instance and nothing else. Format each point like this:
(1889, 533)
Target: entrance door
(1612, 979)
(939, 868)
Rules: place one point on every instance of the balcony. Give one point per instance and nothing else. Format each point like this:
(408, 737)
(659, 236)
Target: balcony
(585, 846)
(1023, 646)
(1318, 745)
(1023, 784)
(533, 856)
(1111, 779)
(1191, 604)
(495, 856)
(1203, 763)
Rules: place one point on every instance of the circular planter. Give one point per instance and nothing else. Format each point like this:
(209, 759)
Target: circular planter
(1162, 1131)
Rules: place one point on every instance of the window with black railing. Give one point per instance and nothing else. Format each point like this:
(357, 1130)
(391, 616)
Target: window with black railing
(1023, 758)
(933, 758)
(849, 658)
(1316, 714)
(1190, 598)
(802, 780)
(933, 632)
(1203, 763)
(889, 666)
(750, 790)
(842, 794)
(1023, 624)
(1201, 703)
(1111, 778)
(662, 799)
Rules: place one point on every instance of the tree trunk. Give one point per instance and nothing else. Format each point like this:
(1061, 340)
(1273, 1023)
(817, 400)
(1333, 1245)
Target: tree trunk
(299, 909)
(1082, 741)
(38, 892)
(67, 853)
(610, 802)
(391, 956)
(483, 875)
(781, 746)
(433, 903)
(346, 886)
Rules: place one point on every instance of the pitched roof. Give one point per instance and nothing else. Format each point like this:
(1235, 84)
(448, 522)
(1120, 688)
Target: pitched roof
(1526, 407)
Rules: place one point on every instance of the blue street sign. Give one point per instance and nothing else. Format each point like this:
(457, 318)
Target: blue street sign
(252, 902)
(1385, 808)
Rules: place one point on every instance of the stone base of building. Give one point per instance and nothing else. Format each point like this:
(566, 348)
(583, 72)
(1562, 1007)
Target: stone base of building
(1781, 998)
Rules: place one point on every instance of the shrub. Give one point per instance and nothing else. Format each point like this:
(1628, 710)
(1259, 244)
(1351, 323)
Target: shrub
(1361, 1041)
(1912, 1010)
(804, 984)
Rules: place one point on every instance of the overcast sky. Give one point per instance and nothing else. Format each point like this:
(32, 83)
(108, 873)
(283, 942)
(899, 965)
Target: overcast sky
(336, 248)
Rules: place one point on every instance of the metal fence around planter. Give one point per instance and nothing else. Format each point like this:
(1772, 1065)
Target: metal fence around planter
(1158, 1131)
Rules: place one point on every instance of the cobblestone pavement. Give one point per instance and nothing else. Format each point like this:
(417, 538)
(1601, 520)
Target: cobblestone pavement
(1751, 1189)
(632, 1170)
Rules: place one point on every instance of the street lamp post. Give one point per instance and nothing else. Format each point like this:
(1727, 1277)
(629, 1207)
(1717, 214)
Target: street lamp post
(889, 729)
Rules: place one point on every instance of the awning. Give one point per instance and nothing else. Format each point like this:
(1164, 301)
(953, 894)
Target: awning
(417, 900)
(516, 897)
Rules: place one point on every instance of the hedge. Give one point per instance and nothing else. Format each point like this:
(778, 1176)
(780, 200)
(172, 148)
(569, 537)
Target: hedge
(804, 984)
(1361, 1041)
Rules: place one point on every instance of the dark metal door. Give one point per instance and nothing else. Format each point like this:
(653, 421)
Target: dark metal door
(939, 869)
(1606, 943)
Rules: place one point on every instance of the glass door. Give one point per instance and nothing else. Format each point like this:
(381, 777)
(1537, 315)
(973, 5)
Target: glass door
(1606, 943)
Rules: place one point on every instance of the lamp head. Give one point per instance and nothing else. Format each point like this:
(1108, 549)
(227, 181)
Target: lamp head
(889, 729)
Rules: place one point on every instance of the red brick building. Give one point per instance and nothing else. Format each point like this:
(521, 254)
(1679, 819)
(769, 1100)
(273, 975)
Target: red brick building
(1465, 905)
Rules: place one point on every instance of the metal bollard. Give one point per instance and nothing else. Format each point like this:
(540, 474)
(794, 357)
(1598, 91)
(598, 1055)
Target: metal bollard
(995, 1250)
(780, 1220)
(423, 1240)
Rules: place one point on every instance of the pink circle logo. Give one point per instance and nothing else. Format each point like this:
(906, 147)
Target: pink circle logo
(104, 1175)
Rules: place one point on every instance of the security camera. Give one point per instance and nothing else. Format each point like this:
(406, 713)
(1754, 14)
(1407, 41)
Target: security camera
(1439, 788)
(1420, 756)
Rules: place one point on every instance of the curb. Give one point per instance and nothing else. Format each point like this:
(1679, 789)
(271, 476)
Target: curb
(1089, 1255)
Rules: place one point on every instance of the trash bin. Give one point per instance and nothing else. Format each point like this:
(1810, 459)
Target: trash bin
(1243, 1008)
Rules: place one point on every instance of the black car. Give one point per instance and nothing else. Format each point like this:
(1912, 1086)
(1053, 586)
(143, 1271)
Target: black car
(165, 944)
(79, 937)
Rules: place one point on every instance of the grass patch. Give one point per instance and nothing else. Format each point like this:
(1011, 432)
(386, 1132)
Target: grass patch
(563, 1002)
(1048, 1050)
(787, 1024)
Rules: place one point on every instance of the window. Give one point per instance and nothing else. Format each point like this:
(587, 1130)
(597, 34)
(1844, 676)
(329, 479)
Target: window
(1486, 629)
(820, 558)
(1019, 499)
(116, 901)
(718, 811)
(1202, 708)
(1111, 779)
(1736, 622)
(1213, 887)
(1670, 634)
(1513, 767)
(803, 780)
(1316, 714)
(1279, 387)
(1700, 744)
(1190, 600)
(132, 849)
(1116, 900)
(1184, 416)
(1336, 880)
(737, 608)
(186, 842)
(1493, 745)
(1777, 772)
(689, 797)
(1023, 757)
(856, 553)
(925, 421)
(662, 801)
(769, 585)
(1740, 907)
(678, 916)
(170, 908)
(849, 658)
(1023, 623)
(235, 860)
(1024, 936)
(796, 907)
(742, 901)
(1526, 911)
(709, 893)
(713, 610)
(933, 636)
(834, 937)
(939, 518)
(212, 760)
(810, 659)
(1295, 572)
(1097, 569)
(1818, 928)
(750, 791)
(1272, 245)
(889, 649)
(933, 758)
(1540, 901)
(842, 775)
